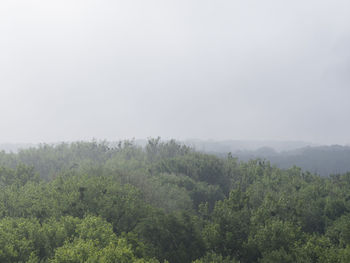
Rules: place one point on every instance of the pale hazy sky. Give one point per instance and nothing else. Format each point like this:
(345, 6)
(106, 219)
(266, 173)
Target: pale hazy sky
(234, 69)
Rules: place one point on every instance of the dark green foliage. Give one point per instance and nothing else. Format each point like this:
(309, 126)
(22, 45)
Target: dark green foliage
(172, 237)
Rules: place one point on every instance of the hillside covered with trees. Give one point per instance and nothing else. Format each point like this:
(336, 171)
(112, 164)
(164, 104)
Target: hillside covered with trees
(323, 160)
(166, 202)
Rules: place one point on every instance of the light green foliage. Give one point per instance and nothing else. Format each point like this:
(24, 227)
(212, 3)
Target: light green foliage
(339, 231)
(275, 239)
(316, 249)
(18, 238)
(94, 241)
(95, 249)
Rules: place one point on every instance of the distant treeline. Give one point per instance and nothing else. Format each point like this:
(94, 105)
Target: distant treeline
(322, 160)
(165, 202)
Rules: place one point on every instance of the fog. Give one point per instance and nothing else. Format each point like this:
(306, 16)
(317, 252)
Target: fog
(222, 70)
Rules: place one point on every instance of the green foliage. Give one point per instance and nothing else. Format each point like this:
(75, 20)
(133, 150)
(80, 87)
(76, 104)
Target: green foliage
(171, 237)
(199, 167)
(103, 202)
(18, 176)
(87, 251)
(211, 257)
(275, 238)
(18, 239)
(94, 241)
(229, 226)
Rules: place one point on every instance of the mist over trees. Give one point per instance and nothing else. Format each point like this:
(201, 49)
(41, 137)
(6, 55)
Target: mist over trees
(165, 202)
(322, 160)
(319, 159)
(262, 79)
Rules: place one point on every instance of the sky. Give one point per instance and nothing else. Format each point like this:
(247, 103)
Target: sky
(222, 70)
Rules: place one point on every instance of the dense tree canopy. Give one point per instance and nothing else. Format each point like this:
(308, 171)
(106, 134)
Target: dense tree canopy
(103, 202)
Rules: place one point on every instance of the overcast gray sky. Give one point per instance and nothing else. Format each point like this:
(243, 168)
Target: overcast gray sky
(234, 69)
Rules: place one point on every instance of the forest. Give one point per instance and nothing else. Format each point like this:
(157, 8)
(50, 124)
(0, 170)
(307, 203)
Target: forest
(322, 160)
(166, 202)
